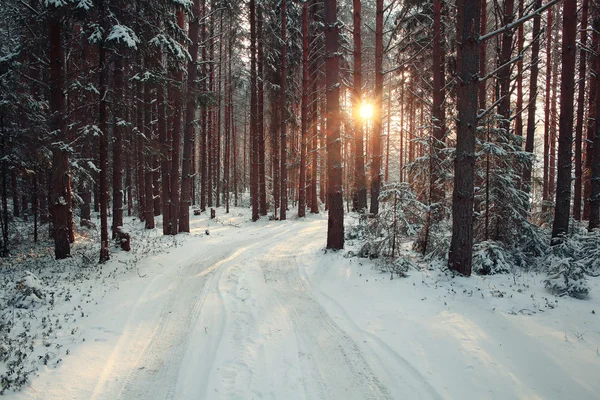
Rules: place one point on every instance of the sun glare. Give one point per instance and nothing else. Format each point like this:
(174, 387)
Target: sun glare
(366, 111)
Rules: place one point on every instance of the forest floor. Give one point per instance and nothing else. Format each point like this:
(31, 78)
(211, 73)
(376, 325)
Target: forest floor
(262, 311)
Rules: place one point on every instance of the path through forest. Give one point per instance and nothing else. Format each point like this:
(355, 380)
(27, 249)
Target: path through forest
(262, 311)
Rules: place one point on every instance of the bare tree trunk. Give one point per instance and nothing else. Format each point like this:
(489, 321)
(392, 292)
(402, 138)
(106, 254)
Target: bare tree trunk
(533, 90)
(461, 246)
(117, 181)
(148, 156)
(175, 95)
(580, 112)
(546, 176)
(565, 138)
(594, 145)
(283, 173)
(304, 116)
(591, 122)
(254, 158)
(360, 185)
(189, 136)
(335, 225)
(262, 185)
(61, 178)
(378, 114)
(102, 122)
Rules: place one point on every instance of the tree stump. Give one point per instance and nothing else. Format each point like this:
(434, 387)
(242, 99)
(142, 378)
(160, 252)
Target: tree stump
(123, 238)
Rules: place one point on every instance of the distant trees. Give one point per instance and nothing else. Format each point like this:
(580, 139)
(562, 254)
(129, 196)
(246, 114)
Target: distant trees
(157, 107)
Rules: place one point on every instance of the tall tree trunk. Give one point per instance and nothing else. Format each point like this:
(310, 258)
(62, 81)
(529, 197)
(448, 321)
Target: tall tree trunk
(591, 121)
(163, 154)
(335, 225)
(439, 118)
(262, 185)
(176, 93)
(118, 130)
(283, 160)
(378, 114)
(532, 105)
(61, 178)
(580, 111)
(102, 122)
(254, 158)
(148, 156)
(520, 44)
(565, 138)
(546, 174)
(304, 115)
(360, 185)
(594, 145)
(461, 246)
(189, 135)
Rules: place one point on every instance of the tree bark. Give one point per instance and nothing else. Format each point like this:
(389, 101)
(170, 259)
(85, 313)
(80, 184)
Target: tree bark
(378, 111)
(283, 170)
(61, 177)
(335, 225)
(461, 246)
(580, 111)
(532, 105)
(565, 138)
(189, 136)
(304, 114)
(118, 130)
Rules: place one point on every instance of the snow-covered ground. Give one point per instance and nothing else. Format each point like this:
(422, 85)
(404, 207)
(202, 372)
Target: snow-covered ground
(262, 311)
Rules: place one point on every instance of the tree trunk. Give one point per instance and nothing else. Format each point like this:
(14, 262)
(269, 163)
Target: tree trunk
(103, 124)
(591, 121)
(546, 175)
(565, 138)
(304, 115)
(188, 139)
(61, 177)
(283, 160)
(378, 112)
(254, 158)
(461, 246)
(594, 146)
(335, 225)
(262, 186)
(148, 156)
(360, 186)
(118, 130)
(532, 105)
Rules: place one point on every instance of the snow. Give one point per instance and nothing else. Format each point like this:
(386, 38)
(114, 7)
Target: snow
(261, 310)
(123, 34)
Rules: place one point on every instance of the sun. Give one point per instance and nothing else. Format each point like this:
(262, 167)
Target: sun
(366, 111)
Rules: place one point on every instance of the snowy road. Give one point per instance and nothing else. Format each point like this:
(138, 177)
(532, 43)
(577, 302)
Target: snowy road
(236, 322)
(261, 312)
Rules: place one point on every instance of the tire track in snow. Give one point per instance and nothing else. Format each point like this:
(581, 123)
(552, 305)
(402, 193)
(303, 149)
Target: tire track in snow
(154, 374)
(332, 363)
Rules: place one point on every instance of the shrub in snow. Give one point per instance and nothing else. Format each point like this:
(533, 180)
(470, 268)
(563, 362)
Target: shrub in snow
(588, 252)
(27, 293)
(491, 258)
(399, 266)
(400, 215)
(566, 276)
